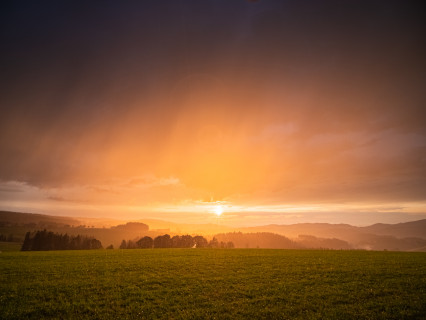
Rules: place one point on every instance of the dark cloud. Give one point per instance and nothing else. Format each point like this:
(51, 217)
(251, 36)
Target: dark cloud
(148, 86)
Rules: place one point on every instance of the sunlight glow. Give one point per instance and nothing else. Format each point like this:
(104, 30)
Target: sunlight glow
(218, 210)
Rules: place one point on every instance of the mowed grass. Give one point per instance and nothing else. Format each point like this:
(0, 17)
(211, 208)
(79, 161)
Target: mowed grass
(212, 284)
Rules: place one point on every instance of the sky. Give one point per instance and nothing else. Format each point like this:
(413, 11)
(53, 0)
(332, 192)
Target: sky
(272, 111)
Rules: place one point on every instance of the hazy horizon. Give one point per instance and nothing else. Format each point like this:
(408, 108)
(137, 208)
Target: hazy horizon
(234, 112)
(221, 221)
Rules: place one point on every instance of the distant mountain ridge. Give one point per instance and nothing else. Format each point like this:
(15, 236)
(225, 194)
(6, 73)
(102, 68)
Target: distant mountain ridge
(10, 217)
(400, 230)
(407, 236)
(407, 229)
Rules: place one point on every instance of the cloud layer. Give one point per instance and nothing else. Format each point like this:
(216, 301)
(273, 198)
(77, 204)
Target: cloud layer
(267, 102)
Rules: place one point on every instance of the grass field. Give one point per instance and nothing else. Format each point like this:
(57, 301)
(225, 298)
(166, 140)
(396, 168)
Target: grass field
(213, 284)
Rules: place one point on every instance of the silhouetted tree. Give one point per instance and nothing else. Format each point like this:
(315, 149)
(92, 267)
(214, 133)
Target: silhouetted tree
(65, 241)
(75, 242)
(163, 241)
(131, 245)
(44, 240)
(92, 243)
(132, 226)
(26, 246)
(200, 242)
(49, 242)
(213, 243)
(145, 242)
(123, 244)
(187, 241)
(38, 241)
(176, 242)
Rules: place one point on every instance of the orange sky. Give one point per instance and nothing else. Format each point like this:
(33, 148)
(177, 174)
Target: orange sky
(279, 113)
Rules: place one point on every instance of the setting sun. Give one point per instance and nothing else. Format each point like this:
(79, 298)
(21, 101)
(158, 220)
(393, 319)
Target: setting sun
(218, 210)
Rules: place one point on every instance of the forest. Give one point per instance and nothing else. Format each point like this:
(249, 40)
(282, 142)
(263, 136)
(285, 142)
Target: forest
(46, 240)
(184, 241)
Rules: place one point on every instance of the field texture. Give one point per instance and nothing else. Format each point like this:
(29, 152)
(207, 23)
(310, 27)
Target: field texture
(212, 284)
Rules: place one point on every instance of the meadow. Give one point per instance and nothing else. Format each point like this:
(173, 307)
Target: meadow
(212, 284)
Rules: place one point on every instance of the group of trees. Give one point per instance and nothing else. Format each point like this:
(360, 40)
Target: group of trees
(47, 240)
(165, 241)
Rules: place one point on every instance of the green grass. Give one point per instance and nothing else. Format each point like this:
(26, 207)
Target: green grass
(212, 284)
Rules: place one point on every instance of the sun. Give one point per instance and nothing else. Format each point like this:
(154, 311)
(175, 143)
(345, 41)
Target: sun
(218, 210)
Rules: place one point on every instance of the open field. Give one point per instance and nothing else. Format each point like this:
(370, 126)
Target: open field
(207, 284)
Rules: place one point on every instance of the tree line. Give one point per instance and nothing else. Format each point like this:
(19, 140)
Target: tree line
(165, 241)
(46, 240)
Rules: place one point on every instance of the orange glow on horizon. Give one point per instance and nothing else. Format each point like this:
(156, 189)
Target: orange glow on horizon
(257, 111)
